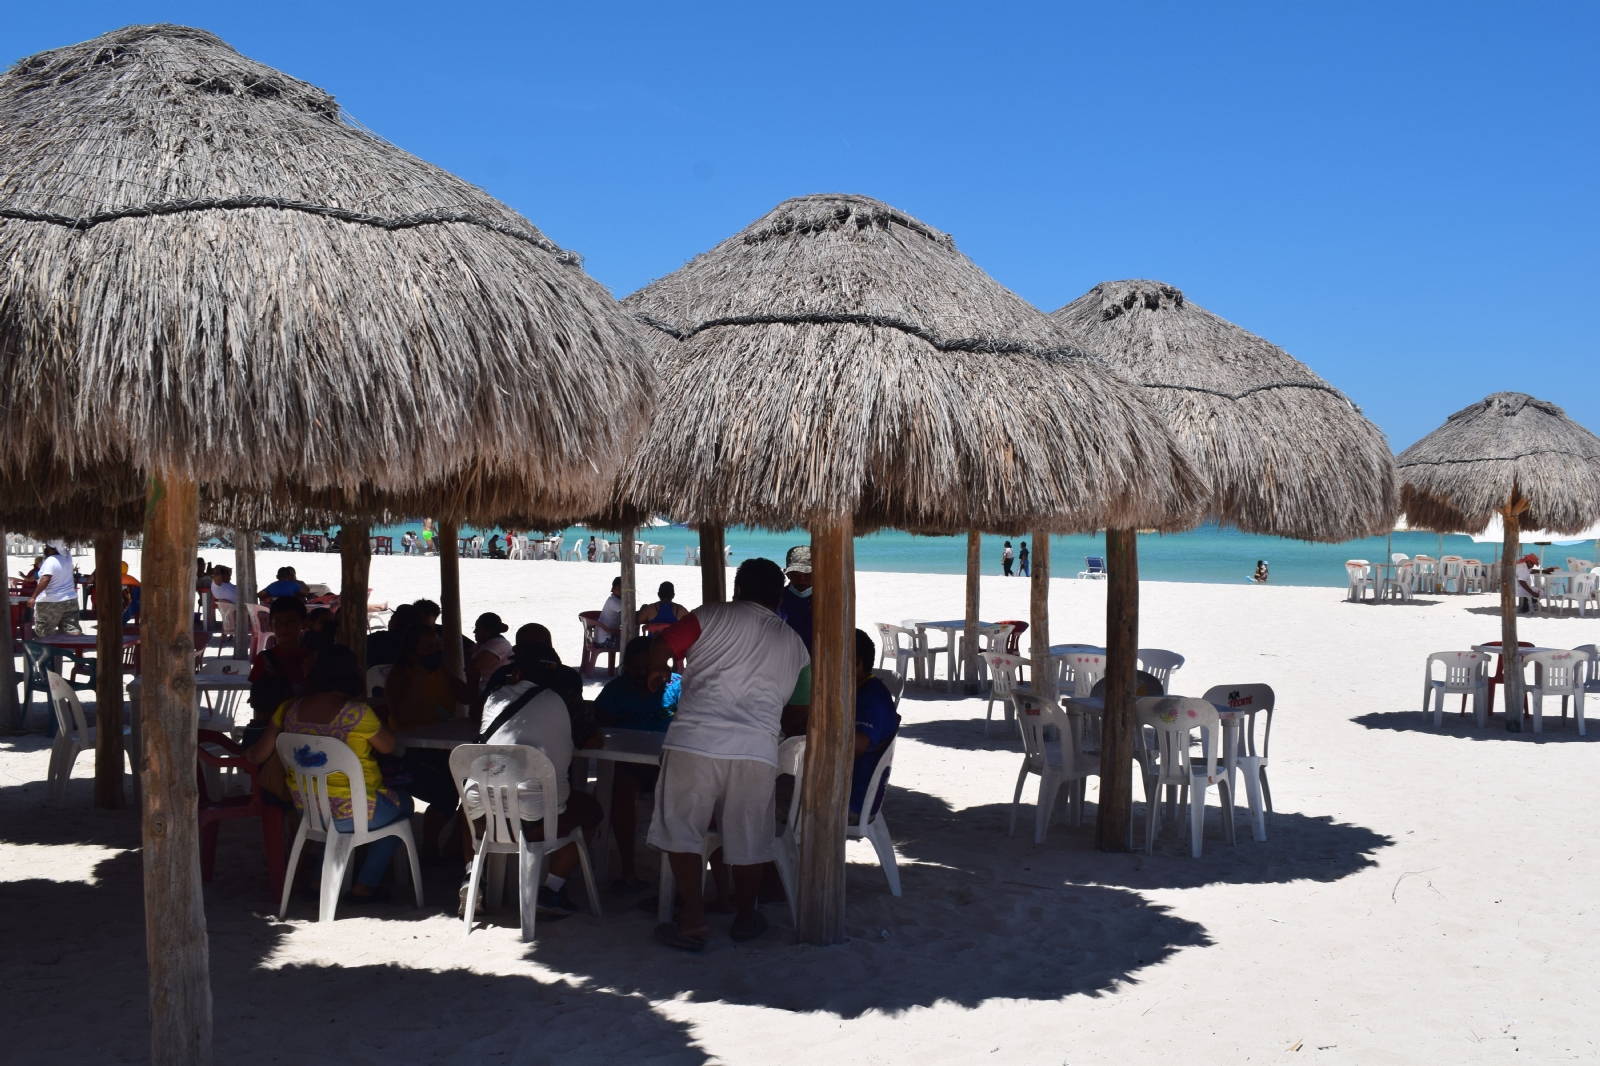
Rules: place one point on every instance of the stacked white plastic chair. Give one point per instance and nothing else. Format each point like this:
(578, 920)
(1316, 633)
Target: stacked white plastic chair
(1248, 758)
(898, 645)
(1557, 673)
(1165, 728)
(309, 761)
(1052, 744)
(1450, 579)
(1359, 572)
(74, 734)
(486, 777)
(1466, 674)
(1427, 573)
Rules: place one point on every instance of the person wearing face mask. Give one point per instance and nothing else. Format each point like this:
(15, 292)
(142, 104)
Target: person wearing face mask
(796, 606)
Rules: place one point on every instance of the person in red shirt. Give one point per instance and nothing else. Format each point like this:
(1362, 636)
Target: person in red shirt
(278, 673)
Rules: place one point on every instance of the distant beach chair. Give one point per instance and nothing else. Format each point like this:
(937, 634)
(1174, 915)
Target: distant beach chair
(575, 553)
(1094, 566)
(1450, 574)
(691, 556)
(382, 545)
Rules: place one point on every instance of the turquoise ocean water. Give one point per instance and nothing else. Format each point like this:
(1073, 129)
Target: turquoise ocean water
(1209, 554)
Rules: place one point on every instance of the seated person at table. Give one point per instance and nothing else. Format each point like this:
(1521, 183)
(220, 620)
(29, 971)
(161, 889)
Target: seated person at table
(430, 612)
(543, 666)
(286, 585)
(332, 707)
(323, 621)
(523, 712)
(130, 596)
(643, 697)
(876, 724)
(494, 549)
(664, 611)
(384, 645)
(223, 589)
(420, 690)
(491, 650)
(1527, 566)
(720, 754)
(278, 673)
(610, 622)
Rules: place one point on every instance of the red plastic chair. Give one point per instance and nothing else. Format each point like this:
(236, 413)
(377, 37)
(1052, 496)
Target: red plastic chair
(1018, 628)
(214, 812)
(1499, 678)
(591, 650)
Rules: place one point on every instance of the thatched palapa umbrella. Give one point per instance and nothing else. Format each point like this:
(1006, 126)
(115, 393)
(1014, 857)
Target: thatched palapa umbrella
(208, 275)
(1283, 453)
(839, 365)
(1508, 455)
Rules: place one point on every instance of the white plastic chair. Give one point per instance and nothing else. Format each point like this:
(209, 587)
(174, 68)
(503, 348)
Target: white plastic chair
(486, 777)
(309, 761)
(1359, 573)
(1162, 742)
(574, 554)
(1465, 673)
(1079, 672)
(74, 734)
(1160, 664)
(871, 827)
(1474, 575)
(1056, 760)
(1398, 557)
(1003, 685)
(1403, 584)
(898, 645)
(1579, 566)
(1559, 673)
(1247, 757)
(260, 628)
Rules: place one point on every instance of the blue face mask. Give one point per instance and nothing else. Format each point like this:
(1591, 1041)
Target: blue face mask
(804, 594)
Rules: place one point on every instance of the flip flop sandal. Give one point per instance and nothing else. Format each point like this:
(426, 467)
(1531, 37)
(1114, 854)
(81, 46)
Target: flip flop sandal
(757, 927)
(667, 933)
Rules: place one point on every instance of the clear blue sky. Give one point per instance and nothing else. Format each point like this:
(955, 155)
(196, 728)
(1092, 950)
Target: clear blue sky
(1402, 195)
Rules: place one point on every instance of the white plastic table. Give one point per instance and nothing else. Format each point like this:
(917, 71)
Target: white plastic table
(952, 629)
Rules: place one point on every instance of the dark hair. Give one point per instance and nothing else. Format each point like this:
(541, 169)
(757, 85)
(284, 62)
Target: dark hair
(427, 607)
(320, 617)
(335, 670)
(285, 572)
(759, 581)
(533, 635)
(637, 648)
(666, 591)
(866, 651)
(287, 605)
(412, 637)
(404, 617)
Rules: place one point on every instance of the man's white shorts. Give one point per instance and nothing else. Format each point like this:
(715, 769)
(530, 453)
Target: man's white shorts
(694, 788)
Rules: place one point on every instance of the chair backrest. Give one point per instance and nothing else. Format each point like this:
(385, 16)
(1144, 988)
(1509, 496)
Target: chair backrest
(70, 719)
(893, 680)
(1002, 673)
(1013, 643)
(491, 773)
(1463, 670)
(1094, 564)
(872, 804)
(1449, 558)
(1083, 669)
(1161, 663)
(1587, 668)
(1170, 720)
(792, 760)
(309, 761)
(1253, 698)
(591, 622)
(1579, 566)
(377, 680)
(1398, 557)
(229, 614)
(1560, 670)
(1035, 716)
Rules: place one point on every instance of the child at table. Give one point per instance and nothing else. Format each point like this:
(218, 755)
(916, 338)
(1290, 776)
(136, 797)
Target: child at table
(643, 697)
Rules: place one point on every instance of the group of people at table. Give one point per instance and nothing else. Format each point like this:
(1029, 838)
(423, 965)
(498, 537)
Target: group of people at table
(745, 684)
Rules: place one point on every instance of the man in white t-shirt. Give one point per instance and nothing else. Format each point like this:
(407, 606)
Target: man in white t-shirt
(539, 722)
(55, 598)
(611, 618)
(720, 755)
(223, 589)
(1526, 593)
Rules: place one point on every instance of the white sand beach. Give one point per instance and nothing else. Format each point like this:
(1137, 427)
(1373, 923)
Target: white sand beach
(1423, 895)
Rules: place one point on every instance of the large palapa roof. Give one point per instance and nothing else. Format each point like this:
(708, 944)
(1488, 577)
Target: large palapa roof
(206, 270)
(1284, 452)
(1457, 477)
(838, 357)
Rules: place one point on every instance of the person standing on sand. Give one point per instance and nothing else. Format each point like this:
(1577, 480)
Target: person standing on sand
(720, 756)
(427, 537)
(1022, 560)
(1005, 559)
(55, 597)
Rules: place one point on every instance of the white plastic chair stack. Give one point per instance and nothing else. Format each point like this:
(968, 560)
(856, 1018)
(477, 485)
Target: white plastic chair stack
(1558, 673)
(1052, 744)
(871, 827)
(1162, 743)
(309, 761)
(1427, 573)
(73, 735)
(1465, 674)
(1003, 685)
(487, 777)
(1359, 573)
(1450, 574)
(1248, 758)
(898, 645)
(1160, 664)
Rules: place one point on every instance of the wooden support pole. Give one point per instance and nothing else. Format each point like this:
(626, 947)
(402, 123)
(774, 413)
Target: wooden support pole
(108, 744)
(830, 735)
(174, 911)
(1510, 660)
(355, 570)
(10, 706)
(1043, 667)
(969, 633)
(450, 595)
(630, 595)
(1113, 825)
(713, 566)
(244, 579)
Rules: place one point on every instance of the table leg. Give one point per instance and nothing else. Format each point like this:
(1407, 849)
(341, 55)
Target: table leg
(605, 776)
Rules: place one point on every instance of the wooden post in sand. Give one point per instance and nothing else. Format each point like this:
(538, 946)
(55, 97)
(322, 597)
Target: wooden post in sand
(244, 580)
(10, 711)
(174, 911)
(713, 566)
(355, 571)
(1043, 666)
(1113, 819)
(450, 595)
(969, 633)
(108, 749)
(1510, 659)
(830, 735)
(630, 595)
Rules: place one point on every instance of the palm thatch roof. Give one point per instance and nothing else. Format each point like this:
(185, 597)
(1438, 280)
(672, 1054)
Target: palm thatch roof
(205, 269)
(1284, 452)
(838, 357)
(1457, 477)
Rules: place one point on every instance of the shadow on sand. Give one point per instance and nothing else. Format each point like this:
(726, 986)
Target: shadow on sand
(1459, 726)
